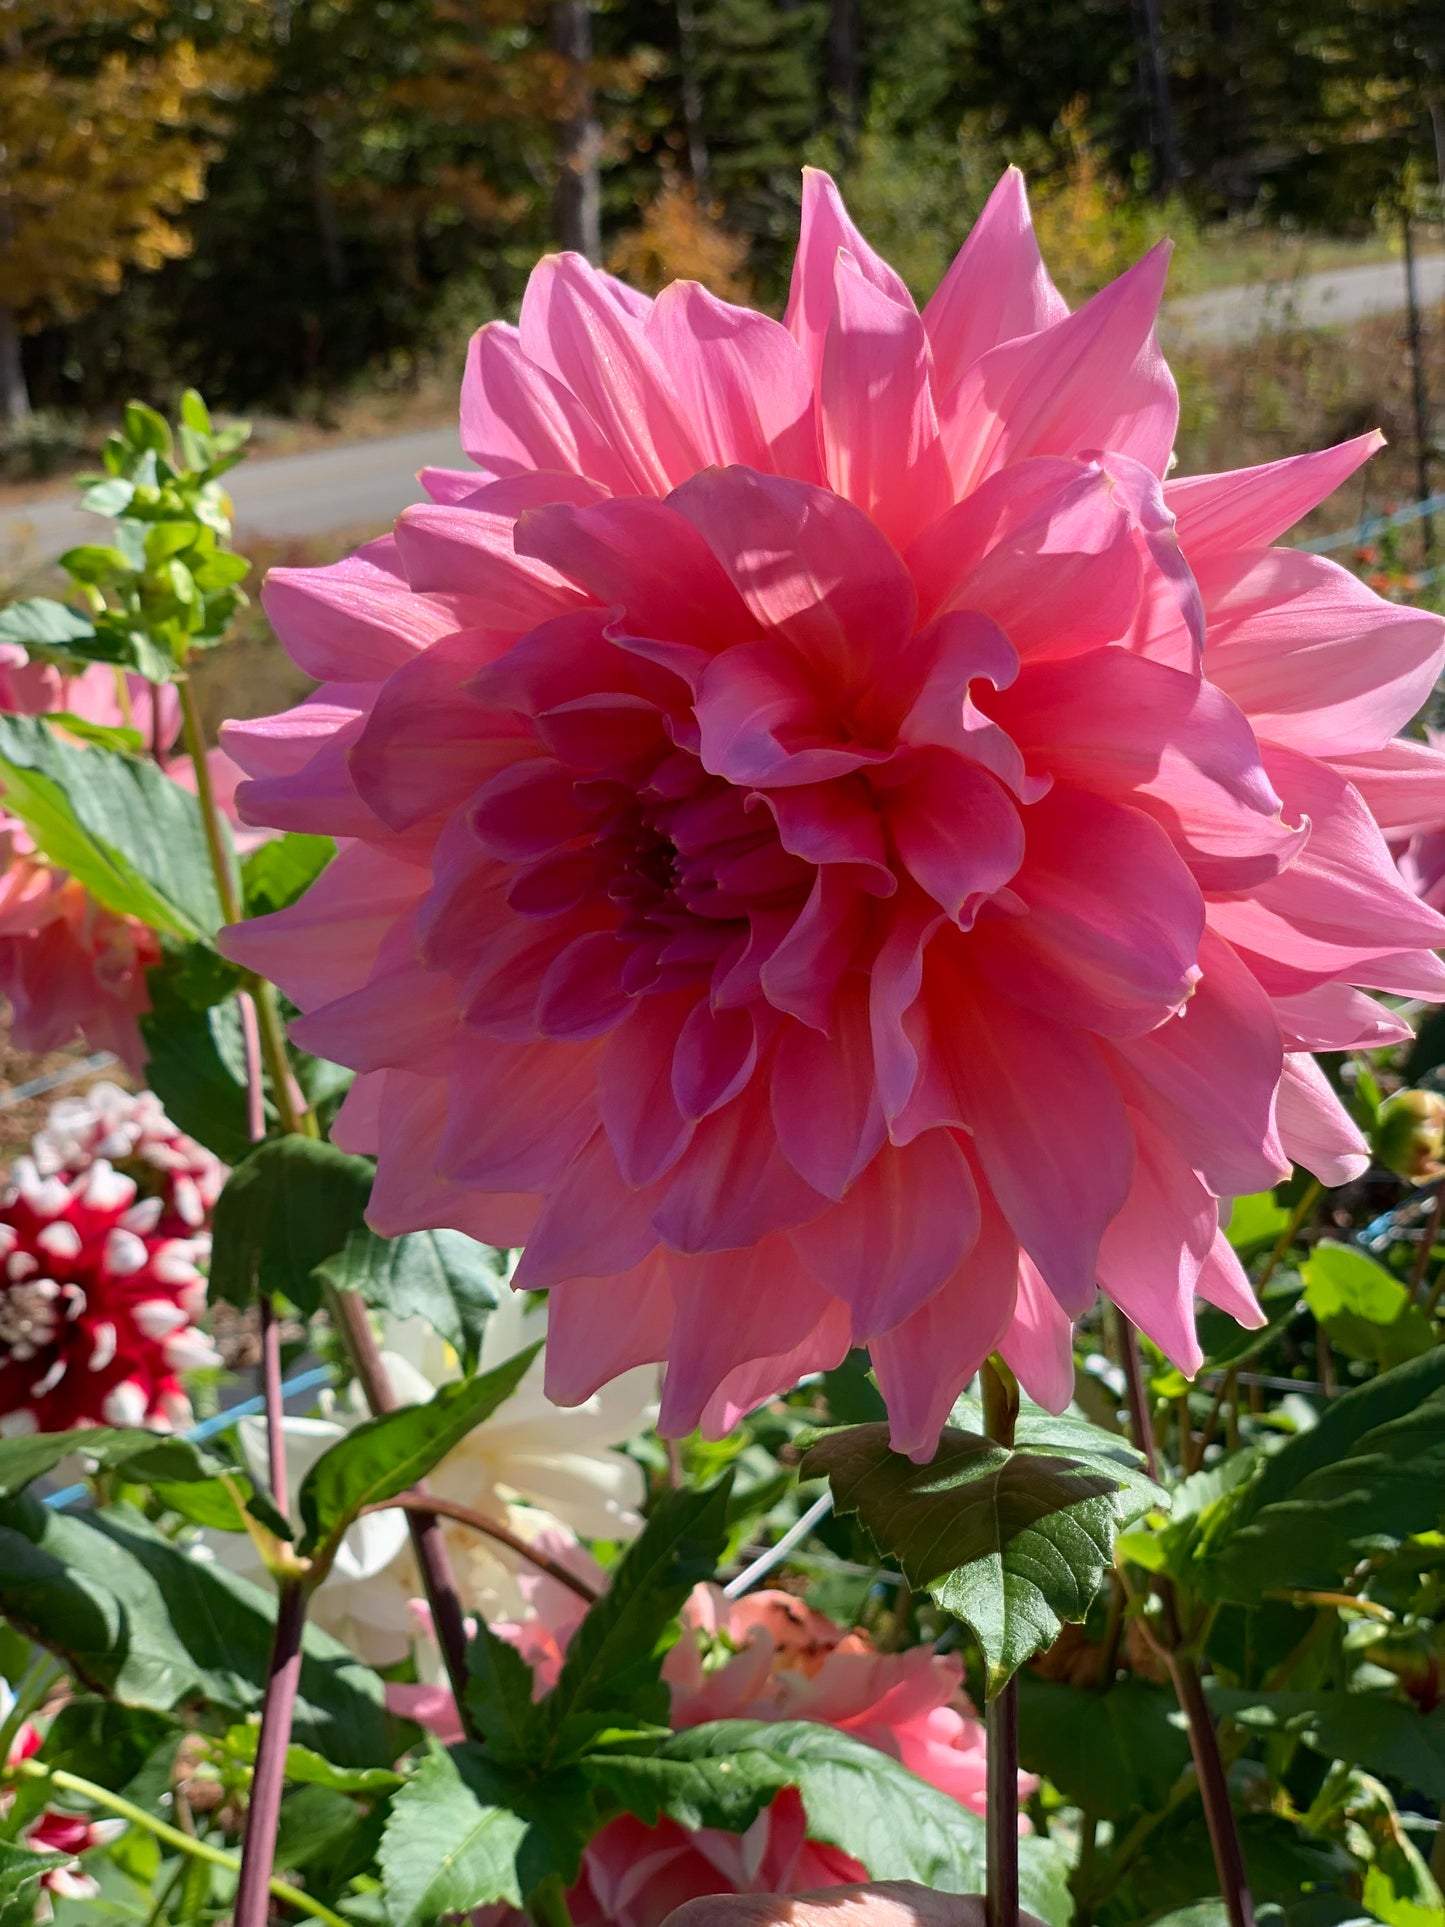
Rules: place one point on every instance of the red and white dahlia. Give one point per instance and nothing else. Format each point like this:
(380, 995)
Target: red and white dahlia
(98, 1305)
(54, 1831)
(839, 850)
(131, 1131)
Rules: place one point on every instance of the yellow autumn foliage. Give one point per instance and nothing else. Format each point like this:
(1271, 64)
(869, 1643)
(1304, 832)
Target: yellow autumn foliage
(99, 157)
(681, 238)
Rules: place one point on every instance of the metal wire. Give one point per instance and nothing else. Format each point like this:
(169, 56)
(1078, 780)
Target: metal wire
(101, 1060)
(775, 1555)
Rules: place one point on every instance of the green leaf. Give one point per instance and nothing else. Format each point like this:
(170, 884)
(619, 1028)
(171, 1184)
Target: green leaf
(278, 872)
(1256, 1220)
(128, 833)
(308, 1768)
(21, 1869)
(612, 1675)
(463, 1833)
(286, 1208)
(146, 1455)
(196, 1065)
(102, 735)
(443, 1276)
(110, 498)
(1116, 1753)
(1012, 1541)
(1372, 1471)
(96, 562)
(1364, 1308)
(1384, 1736)
(499, 1699)
(107, 1743)
(137, 1619)
(387, 1455)
(41, 622)
(194, 413)
(727, 1790)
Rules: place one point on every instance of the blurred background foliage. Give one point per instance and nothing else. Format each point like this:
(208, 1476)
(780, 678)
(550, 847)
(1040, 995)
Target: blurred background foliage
(283, 200)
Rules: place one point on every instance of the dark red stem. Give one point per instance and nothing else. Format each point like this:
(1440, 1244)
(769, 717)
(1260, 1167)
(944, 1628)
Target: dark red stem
(1001, 1714)
(258, 1849)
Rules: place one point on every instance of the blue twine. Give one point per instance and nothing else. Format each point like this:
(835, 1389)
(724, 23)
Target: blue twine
(209, 1428)
(1376, 525)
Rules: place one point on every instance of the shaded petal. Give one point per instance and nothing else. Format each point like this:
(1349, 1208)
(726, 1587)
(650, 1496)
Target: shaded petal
(1318, 1132)
(1208, 1077)
(1153, 1252)
(731, 1185)
(742, 381)
(409, 1195)
(956, 828)
(592, 1224)
(898, 1235)
(640, 1113)
(599, 1329)
(997, 288)
(1039, 1345)
(824, 1094)
(924, 1363)
(880, 435)
(1223, 1281)
(518, 1113)
(355, 620)
(1336, 1017)
(824, 228)
(715, 1056)
(516, 417)
(1403, 784)
(467, 551)
(573, 326)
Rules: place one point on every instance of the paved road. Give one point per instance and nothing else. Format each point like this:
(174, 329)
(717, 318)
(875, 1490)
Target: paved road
(361, 486)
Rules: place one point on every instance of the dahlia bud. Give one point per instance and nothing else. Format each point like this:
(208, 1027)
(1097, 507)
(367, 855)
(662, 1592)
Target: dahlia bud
(132, 1132)
(1409, 1136)
(98, 1305)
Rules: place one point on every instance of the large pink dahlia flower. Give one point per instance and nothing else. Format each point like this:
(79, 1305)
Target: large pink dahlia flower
(840, 851)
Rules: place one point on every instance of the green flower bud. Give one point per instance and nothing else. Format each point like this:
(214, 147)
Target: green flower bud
(1410, 1135)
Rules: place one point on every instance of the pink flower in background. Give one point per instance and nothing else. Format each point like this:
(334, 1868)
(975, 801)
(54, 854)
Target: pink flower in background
(783, 1662)
(68, 964)
(840, 851)
(98, 1305)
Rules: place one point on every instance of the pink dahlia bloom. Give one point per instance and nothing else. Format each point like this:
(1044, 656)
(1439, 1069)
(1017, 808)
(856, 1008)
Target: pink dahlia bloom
(67, 964)
(98, 1305)
(132, 1132)
(839, 850)
(54, 1831)
(785, 1662)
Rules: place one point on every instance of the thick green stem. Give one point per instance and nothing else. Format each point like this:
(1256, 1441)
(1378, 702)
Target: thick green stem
(100, 1796)
(1001, 1714)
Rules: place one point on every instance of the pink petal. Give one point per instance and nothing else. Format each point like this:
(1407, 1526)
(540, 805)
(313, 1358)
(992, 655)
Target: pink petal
(772, 1304)
(408, 1195)
(834, 823)
(1208, 1076)
(1045, 550)
(1152, 1254)
(997, 288)
(517, 1113)
(731, 1186)
(1318, 1132)
(924, 1363)
(826, 228)
(1111, 936)
(1403, 784)
(824, 1095)
(716, 1053)
(1313, 657)
(298, 765)
(640, 1113)
(401, 1017)
(598, 1329)
(1093, 380)
(825, 1345)
(956, 829)
(1049, 1129)
(581, 993)
(809, 565)
(1248, 508)
(1165, 741)
(1335, 1017)
(592, 1225)
(448, 485)
(802, 970)
(614, 551)
(742, 382)
(760, 721)
(1224, 1282)
(517, 417)
(356, 620)
(898, 1235)
(465, 551)
(875, 408)
(574, 328)
(1039, 1346)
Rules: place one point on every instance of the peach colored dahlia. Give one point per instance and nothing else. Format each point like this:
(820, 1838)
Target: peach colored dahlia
(767, 1656)
(839, 850)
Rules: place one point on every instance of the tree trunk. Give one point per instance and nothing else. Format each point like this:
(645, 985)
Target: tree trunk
(579, 134)
(14, 396)
(1158, 94)
(697, 155)
(843, 69)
